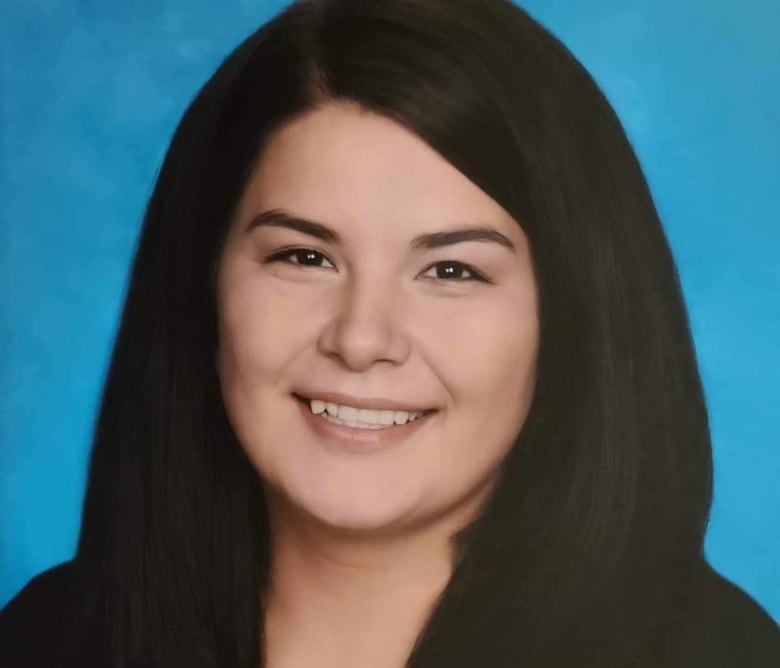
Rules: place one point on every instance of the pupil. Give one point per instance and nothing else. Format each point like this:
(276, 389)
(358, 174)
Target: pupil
(448, 270)
(308, 255)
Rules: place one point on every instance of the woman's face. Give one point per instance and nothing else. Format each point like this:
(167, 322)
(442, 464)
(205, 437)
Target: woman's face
(368, 311)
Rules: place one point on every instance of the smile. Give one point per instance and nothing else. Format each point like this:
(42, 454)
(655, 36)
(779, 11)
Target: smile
(359, 430)
(364, 418)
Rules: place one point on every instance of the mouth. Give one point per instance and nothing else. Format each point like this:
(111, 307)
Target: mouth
(355, 436)
(398, 417)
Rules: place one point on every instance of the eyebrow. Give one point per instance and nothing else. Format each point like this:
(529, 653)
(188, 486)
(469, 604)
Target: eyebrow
(281, 218)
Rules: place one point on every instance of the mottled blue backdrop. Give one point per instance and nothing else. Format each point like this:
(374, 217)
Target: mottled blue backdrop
(91, 92)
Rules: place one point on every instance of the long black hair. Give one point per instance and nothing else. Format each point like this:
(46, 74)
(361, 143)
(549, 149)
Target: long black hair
(601, 507)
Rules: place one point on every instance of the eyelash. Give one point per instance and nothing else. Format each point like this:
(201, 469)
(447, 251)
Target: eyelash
(282, 256)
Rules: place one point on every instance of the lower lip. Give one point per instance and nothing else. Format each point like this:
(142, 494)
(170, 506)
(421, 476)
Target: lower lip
(356, 439)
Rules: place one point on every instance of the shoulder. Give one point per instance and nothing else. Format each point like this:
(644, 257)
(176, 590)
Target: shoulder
(718, 625)
(30, 622)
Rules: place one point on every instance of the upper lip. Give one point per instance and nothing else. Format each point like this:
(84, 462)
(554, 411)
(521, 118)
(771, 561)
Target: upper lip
(373, 403)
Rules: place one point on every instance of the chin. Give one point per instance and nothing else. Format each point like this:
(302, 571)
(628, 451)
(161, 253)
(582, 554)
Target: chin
(353, 511)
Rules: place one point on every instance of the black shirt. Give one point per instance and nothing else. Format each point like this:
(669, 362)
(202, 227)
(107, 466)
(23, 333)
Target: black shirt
(729, 629)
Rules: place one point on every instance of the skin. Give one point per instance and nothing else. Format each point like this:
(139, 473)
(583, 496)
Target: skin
(360, 541)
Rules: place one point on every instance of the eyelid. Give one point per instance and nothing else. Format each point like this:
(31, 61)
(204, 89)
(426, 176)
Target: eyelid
(282, 254)
(478, 276)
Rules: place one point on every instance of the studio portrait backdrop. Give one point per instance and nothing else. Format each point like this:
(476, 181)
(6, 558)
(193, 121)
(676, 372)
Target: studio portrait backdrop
(91, 94)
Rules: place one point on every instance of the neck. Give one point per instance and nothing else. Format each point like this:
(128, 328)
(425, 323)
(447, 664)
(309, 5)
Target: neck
(341, 597)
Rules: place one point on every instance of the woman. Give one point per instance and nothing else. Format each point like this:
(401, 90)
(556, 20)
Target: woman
(424, 215)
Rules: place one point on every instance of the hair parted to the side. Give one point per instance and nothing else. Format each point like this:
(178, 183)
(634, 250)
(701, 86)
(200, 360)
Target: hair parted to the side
(603, 500)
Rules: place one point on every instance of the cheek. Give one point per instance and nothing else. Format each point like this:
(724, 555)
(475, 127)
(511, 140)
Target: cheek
(505, 367)
(484, 350)
(259, 326)
(241, 353)
(254, 346)
(487, 360)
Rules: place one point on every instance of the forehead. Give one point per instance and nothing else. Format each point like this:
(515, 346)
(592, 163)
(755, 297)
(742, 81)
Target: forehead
(347, 166)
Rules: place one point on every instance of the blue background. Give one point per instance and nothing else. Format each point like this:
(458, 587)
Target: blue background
(91, 92)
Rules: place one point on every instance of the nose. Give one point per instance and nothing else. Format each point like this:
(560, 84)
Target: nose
(365, 327)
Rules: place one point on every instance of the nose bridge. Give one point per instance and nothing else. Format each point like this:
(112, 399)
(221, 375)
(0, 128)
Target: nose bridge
(366, 324)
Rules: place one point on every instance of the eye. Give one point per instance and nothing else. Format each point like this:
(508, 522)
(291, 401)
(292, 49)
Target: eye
(452, 271)
(447, 270)
(305, 257)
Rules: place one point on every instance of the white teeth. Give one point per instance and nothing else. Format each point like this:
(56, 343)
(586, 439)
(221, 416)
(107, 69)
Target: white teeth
(402, 417)
(348, 413)
(361, 417)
